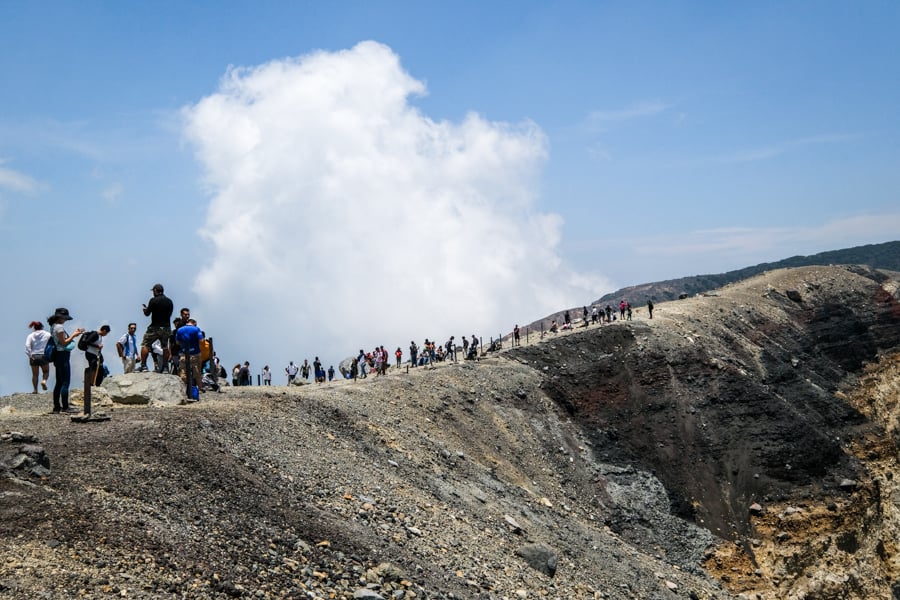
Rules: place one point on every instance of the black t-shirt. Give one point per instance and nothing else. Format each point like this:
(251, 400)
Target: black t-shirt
(160, 310)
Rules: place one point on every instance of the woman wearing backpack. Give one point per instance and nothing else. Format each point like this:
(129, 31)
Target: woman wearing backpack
(64, 344)
(35, 344)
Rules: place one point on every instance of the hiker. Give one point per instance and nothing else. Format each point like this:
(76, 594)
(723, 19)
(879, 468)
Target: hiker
(159, 309)
(64, 344)
(92, 341)
(267, 375)
(622, 306)
(174, 348)
(361, 361)
(608, 313)
(188, 339)
(236, 375)
(385, 360)
(650, 308)
(35, 344)
(354, 369)
(291, 371)
(378, 362)
(127, 348)
(451, 349)
(516, 339)
(413, 352)
(567, 320)
(317, 368)
(304, 370)
(399, 354)
(244, 374)
(584, 314)
(473, 348)
(628, 310)
(330, 372)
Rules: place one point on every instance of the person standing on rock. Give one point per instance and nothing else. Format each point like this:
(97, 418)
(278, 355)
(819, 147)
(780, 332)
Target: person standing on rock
(244, 374)
(413, 352)
(650, 308)
(64, 343)
(399, 354)
(267, 375)
(622, 305)
(330, 372)
(159, 309)
(516, 338)
(35, 344)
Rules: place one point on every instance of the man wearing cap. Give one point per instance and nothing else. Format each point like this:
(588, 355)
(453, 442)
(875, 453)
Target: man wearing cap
(159, 309)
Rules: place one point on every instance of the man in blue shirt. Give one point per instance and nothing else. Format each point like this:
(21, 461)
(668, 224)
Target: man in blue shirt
(188, 337)
(128, 349)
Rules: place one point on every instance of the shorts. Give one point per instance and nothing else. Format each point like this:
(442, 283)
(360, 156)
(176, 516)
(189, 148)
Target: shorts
(156, 333)
(37, 360)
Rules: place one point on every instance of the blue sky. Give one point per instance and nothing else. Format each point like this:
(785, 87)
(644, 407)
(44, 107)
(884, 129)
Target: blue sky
(312, 178)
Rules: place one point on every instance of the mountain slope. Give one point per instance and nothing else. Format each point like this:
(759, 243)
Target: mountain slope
(878, 256)
(615, 461)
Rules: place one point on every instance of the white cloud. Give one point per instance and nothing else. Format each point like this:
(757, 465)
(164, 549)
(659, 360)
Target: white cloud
(16, 182)
(112, 193)
(647, 108)
(780, 148)
(341, 216)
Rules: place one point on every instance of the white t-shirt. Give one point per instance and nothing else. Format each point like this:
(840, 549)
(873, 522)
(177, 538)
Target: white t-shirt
(57, 329)
(36, 342)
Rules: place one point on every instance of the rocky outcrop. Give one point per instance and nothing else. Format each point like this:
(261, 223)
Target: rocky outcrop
(145, 388)
(739, 401)
(22, 458)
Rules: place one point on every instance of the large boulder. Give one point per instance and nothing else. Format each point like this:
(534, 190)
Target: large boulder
(155, 389)
(344, 366)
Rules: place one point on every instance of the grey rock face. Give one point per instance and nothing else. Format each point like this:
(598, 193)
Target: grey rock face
(539, 557)
(145, 388)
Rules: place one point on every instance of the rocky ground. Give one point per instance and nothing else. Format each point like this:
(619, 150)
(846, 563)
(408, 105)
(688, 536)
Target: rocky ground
(739, 444)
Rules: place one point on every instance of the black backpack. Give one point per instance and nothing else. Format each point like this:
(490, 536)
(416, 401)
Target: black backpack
(87, 339)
